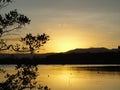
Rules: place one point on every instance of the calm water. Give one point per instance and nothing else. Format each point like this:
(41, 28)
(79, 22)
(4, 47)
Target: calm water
(76, 77)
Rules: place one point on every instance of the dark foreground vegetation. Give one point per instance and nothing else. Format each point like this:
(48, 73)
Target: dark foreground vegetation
(23, 79)
(62, 58)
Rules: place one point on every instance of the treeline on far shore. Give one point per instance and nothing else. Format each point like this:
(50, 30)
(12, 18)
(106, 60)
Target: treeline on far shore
(62, 58)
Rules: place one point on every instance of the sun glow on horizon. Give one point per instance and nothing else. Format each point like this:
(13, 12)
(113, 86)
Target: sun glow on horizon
(66, 45)
(64, 38)
(68, 37)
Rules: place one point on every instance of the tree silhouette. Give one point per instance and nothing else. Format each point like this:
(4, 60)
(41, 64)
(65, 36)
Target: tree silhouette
(26, 74)
(10, 22)
(35, 42)
(13, 21)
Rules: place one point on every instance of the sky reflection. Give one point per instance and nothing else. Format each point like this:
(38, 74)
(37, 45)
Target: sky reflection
(67, 78)
(75, 77)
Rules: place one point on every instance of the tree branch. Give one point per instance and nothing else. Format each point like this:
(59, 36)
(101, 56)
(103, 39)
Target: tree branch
(10, 30)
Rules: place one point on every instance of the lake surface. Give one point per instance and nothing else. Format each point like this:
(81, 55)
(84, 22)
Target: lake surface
(76, 77)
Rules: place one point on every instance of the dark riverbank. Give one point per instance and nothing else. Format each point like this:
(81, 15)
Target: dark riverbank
(62, 58)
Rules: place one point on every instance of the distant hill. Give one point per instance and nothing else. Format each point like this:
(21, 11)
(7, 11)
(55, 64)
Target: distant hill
(89, 50)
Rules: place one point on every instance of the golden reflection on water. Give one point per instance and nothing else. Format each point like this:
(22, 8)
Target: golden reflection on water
(67, 77)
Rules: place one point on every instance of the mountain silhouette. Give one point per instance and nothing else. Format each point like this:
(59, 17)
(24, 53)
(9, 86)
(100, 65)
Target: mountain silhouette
(89, 50)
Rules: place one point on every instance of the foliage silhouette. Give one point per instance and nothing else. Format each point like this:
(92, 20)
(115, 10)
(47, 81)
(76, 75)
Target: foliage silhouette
(26, 74)
(24, 78)
(35, 42)
(13, 21)
(10, 22)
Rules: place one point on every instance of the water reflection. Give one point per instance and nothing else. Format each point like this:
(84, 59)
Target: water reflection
(78, 77)
(23, 78)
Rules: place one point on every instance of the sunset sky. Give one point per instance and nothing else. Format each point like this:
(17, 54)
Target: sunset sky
(72, 23)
